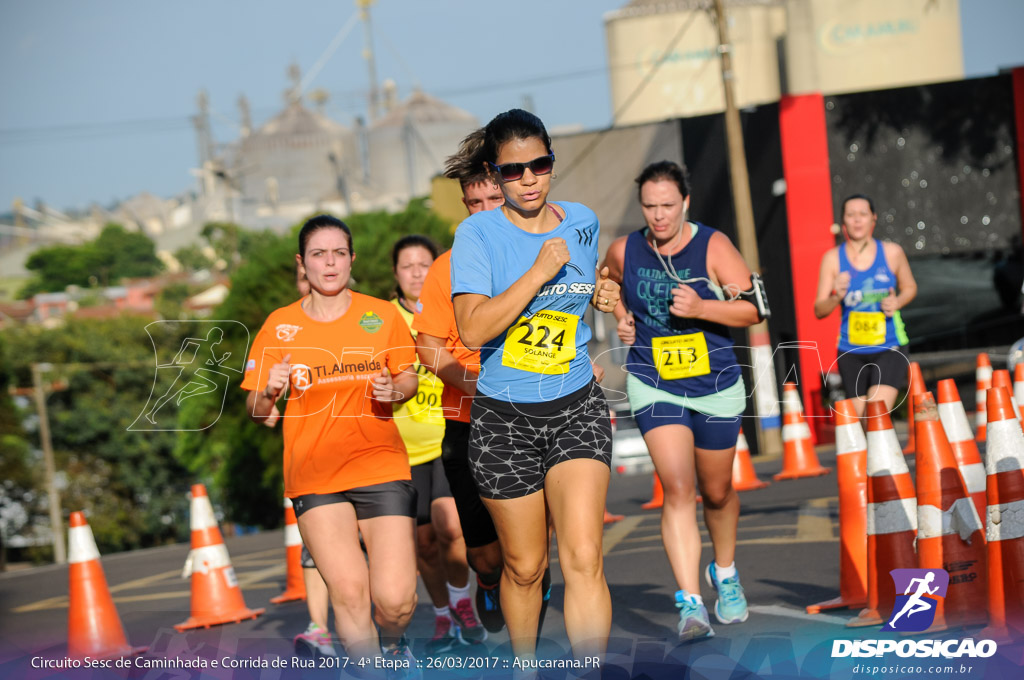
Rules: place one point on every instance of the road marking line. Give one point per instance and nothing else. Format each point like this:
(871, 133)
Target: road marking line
(618, 531)
(704, 533)
(253, 577)
(257, 556)
(814, 521)
(174, 575)
(250, 580)
(775, 540)
(779, 610)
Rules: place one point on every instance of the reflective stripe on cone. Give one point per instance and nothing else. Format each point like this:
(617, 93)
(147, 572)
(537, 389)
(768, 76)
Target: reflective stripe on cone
(891, 516)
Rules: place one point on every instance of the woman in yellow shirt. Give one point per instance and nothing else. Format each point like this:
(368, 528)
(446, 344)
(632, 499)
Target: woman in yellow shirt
(440, 549)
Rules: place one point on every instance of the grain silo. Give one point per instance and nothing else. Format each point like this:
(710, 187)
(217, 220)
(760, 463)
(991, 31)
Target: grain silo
(409, 144)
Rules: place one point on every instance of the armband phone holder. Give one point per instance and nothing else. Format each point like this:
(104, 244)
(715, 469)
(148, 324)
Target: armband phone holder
(760, 296)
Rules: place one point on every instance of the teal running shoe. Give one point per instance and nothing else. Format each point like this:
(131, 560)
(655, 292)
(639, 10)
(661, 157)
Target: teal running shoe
(731, 606)
(693, 618)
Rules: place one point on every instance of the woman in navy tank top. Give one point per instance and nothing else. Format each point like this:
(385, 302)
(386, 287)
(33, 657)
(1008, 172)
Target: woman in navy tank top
(681, 284)
(869, 281)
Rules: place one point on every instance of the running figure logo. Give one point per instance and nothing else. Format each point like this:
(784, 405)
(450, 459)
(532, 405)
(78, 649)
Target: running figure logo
(922, 589)
(189, 367)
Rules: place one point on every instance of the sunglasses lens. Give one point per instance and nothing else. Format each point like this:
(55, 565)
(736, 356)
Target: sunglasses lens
(512, 171)
(542, 165)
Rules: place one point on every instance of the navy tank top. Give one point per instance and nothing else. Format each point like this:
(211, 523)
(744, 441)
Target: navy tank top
(687, 357)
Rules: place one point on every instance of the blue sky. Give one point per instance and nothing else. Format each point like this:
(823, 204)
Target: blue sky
(96, 96)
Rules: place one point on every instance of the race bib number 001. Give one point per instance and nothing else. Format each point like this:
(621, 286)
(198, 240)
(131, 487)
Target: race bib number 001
(681, 356)
(426, 405)
(866, 328)
(544, 343)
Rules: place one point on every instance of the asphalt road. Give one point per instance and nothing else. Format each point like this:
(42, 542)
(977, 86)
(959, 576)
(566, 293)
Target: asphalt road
(788, 557)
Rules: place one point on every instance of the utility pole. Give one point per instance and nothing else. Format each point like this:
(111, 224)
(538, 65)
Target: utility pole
(371, 60)
(769, 438)
(56, 521)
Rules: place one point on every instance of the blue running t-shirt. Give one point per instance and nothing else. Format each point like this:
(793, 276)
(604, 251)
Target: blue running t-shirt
(543, 355)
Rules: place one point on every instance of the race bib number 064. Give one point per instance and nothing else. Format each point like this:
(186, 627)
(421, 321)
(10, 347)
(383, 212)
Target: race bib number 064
(544, 343)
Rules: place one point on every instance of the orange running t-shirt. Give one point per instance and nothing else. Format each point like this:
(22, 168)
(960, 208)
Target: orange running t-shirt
(336, 437)
(435, 315)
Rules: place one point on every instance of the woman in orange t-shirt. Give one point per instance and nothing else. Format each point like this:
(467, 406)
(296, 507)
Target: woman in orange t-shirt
(345, 360)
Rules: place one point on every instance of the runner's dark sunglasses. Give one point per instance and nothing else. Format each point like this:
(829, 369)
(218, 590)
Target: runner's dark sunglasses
(510, 172)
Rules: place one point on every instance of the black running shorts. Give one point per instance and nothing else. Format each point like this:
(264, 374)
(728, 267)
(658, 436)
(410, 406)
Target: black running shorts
(860, 372)
(378, 500)
(477, 526)
(431, 484)
(513, 446)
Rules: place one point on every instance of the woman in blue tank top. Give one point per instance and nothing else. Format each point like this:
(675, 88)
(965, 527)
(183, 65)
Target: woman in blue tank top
(681, 283)
(869, 281)
(523, 275)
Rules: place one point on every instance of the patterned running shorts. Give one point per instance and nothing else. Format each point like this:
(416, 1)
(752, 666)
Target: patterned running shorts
(512, 446)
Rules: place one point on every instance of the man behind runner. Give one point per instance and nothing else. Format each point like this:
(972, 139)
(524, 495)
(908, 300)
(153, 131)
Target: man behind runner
(441, 351)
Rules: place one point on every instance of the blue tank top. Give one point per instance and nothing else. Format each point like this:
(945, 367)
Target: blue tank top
(865, 328)
(688, 357)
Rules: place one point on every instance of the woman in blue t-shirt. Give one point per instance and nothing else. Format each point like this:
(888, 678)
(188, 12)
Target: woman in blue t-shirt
(523, 276)
(681, 288)
(870, 281)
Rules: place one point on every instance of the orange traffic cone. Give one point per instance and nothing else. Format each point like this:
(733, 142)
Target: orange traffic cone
(1005, 466)
(798, 456)
(657, 495)
(851, 474)
(965, 450)
(216, 597)
(950, 534)
(609, 518)
(744, 477)
(94, 628)
(1018, 389)
(915, 385)
(294, 584)
(983, 380)
(891, 516)
(1002, 379)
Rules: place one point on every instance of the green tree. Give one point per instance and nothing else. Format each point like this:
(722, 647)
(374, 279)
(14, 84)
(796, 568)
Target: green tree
(115, 254)
(374, 234)
(243, 460)
(19, 482)
(192, 258)
(129, 481)
(230, 242)
(118, 253)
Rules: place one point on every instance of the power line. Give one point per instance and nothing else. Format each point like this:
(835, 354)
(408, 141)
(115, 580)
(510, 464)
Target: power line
(348, 100)
(67, 132)
(589, 148)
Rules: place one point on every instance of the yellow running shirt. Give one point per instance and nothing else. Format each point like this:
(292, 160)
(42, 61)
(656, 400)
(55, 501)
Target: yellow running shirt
(420, 420)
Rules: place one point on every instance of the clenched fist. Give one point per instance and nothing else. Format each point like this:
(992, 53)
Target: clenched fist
(890, 304)
(554, 255)
(606, 293)
(627, 329)
(277, 381)
(842, 285)
(685, 302)
(384, 388)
